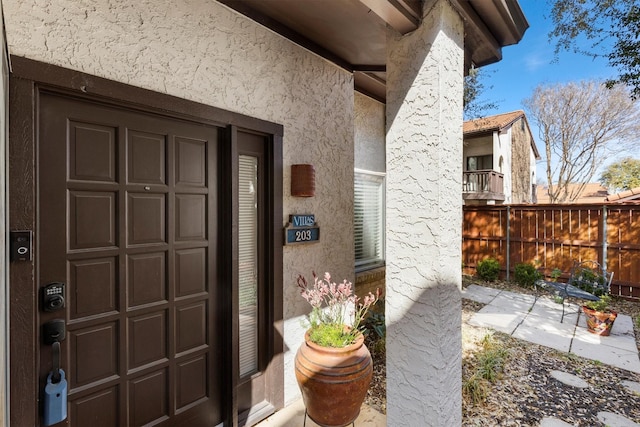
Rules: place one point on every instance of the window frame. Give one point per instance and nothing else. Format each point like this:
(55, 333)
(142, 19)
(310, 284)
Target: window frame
(378, 260)
(480, 159)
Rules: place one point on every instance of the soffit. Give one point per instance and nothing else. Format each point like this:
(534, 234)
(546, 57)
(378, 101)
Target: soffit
(352, 33)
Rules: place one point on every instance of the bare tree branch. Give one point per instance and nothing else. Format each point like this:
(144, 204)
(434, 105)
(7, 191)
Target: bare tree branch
(581, 124)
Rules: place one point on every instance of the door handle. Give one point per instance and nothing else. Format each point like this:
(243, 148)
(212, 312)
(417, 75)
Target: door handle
(54, 331)
(55, 390)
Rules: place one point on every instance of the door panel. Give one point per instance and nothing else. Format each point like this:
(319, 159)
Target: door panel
(128, 221)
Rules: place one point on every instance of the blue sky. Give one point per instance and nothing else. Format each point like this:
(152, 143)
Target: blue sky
(530, 63)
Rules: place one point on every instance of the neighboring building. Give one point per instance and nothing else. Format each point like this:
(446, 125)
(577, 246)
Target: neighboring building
(632, 195)
(499, 157)
(149, 151)
(592, 192)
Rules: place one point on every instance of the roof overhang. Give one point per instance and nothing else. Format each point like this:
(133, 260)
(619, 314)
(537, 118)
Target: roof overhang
(352, 33)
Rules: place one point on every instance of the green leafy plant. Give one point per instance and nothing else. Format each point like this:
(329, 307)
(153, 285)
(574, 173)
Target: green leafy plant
(488, 269)
(601, 305)
(490, 362)
(374, 323)
(590, 281)
(336, 312)
(526, 275)
(555, 273)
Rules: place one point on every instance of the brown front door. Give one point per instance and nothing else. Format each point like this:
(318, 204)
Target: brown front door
(128, 221)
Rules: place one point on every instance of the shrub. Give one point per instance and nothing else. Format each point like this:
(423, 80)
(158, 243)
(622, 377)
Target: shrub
(483, 369)
(488, 269)
(374, 323)
(476, 389)
(526, 275)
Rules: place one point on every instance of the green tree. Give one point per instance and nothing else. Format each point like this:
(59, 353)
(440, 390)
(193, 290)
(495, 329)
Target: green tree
(621, 176)
(473, 106)
(611, 29)
(580, 125)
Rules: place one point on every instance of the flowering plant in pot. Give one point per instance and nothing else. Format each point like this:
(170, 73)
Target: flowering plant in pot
(599, 316)
(333, 366)
(336, 312)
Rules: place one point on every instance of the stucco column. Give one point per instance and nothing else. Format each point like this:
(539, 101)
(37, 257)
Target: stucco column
(424, 220)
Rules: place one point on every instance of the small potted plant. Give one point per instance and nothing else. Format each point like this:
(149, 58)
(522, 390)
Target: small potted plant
(333, 366)
(599, 317)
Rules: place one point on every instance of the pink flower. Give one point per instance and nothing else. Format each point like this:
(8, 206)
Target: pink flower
(335, 304)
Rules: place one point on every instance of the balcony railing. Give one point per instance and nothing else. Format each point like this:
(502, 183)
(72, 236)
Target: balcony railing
(483, 184)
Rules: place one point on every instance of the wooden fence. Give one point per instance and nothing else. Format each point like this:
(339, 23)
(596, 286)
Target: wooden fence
(553, 236)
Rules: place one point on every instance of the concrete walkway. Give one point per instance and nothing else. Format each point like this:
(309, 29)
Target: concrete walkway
(538, 321)
(293, 416)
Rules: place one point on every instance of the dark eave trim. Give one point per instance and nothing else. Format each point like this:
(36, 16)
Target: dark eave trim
(519, 21)
(370, 68)
(285, 32)
(401, 15)
(474, 22)
(370, 85)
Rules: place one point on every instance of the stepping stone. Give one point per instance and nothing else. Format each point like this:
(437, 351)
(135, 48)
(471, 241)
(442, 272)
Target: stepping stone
(553, 422)
(569, 379)
(480, 294)
(503, 315)
(632, 386)
(611, 419)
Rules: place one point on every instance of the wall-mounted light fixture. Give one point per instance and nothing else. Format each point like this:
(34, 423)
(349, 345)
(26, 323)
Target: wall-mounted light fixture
(303, 180)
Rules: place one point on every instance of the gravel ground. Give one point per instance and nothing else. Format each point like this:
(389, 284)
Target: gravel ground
(525, 392)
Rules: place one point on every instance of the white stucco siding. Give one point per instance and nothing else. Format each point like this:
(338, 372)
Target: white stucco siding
(202, 51)
(369, 134)
(424, 221)
(532, 167)
(505, 150)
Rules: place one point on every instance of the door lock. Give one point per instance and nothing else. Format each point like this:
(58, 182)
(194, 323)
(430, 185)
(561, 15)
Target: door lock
(53, 297)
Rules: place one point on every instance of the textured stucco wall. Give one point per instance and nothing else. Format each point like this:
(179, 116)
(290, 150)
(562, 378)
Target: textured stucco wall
(202, 51)
(369, 134)
(532, 169)
(503, 144)
(521, 163)
(424, 221)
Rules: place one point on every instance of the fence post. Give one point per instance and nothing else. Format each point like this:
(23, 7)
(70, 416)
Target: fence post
(508, 240)
(604, 237)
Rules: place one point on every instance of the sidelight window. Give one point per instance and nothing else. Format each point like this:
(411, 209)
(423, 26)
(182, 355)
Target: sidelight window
(248, 263)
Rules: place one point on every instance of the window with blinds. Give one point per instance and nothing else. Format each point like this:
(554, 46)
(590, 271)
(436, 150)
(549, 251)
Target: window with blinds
(248, 264)
(368, 219)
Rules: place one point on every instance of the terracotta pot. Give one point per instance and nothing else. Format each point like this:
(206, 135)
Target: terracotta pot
(599, 322)
(333, 381)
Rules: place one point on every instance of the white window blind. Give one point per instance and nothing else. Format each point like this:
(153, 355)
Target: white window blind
(368, 218)
(248, 264)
